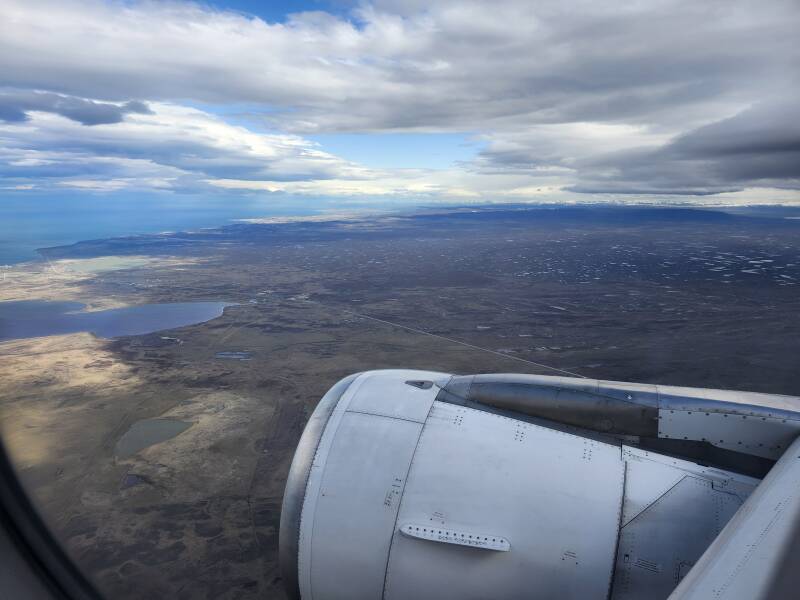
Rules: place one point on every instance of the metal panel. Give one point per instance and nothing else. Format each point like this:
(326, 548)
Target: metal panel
(673, 510)
(640, 393)
(577, 407)
(387, 393)
(684, 397)
(753, 558)
(356, 508)
(646, 482)
(556, 381)
(607, 407)
(734, 483)
(758, 435)
(625, 409)
(554, 496)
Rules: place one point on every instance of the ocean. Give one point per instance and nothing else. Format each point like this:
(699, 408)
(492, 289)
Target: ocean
(28, 222)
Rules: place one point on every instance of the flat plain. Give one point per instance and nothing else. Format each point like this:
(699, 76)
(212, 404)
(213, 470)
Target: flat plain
(674, 296)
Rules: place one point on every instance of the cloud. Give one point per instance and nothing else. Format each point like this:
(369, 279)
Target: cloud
(666, 97)
(560, 146)
(453, 65)
(759, 147)
(15, 106)
(168, 143)
(179, 148)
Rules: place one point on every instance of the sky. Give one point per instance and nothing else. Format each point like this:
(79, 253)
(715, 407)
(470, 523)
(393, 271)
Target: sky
(654, 101)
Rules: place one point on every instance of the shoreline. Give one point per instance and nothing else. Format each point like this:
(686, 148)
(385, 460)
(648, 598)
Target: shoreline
(367, 219)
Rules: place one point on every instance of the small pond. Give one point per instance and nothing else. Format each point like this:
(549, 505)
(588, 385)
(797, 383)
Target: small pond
(147, 432)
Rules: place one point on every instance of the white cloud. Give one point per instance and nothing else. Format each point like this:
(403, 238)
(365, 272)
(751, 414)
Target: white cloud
(170, 143)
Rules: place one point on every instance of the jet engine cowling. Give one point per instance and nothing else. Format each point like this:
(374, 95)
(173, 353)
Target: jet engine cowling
(397, 491)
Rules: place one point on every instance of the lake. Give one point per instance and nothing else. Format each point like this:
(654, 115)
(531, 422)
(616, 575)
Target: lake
(147, 432)
(36, 318)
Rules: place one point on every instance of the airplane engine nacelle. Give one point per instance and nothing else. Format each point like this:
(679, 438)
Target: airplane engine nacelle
(400, 496)
(395, 494)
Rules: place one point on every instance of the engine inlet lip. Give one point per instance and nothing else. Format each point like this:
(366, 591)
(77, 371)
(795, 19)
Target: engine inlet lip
(295, 491)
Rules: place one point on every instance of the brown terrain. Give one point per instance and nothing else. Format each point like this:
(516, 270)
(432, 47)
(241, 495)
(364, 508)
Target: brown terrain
(680, 297)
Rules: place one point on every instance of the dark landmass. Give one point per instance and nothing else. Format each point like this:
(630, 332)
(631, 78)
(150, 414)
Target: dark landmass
(674, 296)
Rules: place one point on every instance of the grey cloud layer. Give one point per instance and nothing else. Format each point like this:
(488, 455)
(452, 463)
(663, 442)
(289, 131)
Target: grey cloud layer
(591, 91)
(15, 106)
(462, 65)
(759, 147)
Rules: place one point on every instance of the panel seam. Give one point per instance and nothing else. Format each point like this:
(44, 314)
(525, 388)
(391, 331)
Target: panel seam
(619, 529)
(372, 414)
(400, 504)
(651, 504)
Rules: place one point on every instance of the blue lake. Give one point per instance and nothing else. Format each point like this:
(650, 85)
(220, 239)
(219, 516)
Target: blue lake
(36, 318)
